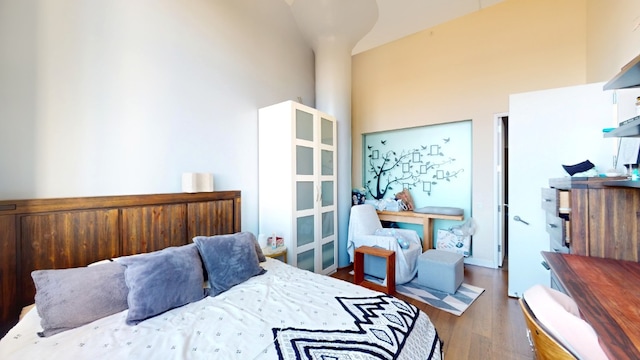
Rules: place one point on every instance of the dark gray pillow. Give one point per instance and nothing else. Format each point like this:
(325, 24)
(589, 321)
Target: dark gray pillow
(68, 298)
(229, 259)
(162, 280)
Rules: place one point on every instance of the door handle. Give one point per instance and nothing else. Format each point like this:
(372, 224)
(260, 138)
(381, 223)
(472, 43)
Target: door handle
(517, 218)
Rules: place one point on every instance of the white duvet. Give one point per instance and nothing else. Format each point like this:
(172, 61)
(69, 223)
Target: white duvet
(285, 313)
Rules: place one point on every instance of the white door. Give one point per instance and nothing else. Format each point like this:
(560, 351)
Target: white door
(500, 205)
(546, 130)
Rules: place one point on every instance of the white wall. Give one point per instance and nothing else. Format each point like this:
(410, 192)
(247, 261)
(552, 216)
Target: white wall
(110, 97)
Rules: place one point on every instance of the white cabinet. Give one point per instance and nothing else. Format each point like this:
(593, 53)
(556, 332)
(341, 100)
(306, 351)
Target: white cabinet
(298, 183)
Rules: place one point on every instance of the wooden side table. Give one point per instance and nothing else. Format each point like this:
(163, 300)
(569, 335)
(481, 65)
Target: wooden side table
(358, 268)
(275, 253)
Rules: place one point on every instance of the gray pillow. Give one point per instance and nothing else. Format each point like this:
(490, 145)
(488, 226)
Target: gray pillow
(229, 259)
(440, 210)
(261, 257)
(162, 280)
(68, 298)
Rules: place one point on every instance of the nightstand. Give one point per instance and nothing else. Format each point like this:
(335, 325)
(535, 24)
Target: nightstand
(278, 252)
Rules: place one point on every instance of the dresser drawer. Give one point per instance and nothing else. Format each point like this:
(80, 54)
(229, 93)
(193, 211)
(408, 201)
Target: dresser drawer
(555, 201)
(557, 229)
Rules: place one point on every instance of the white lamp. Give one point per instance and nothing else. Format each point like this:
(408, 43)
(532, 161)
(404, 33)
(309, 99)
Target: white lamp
(197, 182)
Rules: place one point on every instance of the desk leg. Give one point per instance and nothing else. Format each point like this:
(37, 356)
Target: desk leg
(427, 234)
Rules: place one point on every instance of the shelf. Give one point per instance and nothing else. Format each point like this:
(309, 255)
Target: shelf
(628, 77)
(629, 128)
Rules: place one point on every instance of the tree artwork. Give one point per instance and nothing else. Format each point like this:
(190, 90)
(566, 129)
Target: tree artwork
(408, 169)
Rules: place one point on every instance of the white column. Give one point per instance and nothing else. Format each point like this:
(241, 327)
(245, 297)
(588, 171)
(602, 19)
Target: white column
(333, 27)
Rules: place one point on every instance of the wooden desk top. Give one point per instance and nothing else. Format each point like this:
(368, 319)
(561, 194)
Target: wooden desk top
(607, 292)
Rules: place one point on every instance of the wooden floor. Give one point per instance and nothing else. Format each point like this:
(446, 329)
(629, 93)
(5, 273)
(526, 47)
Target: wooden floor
(491, 328)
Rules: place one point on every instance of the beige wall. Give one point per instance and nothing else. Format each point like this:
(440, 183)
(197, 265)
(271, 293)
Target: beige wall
(466, 69)
(613, 36)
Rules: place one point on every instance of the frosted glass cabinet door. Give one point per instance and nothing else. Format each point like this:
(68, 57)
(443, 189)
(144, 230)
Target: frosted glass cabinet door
(304, 160)
(304, 195)
(327, 193)
(305, 230)
(327, 255)
(326, 161)
(304, 125)
(306, 261)
(326, 131)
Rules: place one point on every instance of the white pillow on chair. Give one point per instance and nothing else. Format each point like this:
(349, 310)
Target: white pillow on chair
(560, 315)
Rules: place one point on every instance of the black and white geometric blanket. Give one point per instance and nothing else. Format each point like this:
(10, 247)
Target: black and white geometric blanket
(387, 328)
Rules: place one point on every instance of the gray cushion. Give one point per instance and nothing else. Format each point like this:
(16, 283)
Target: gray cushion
(440, 210)
(68, 298)
(229, 259)
(162, 280)
(261, 257)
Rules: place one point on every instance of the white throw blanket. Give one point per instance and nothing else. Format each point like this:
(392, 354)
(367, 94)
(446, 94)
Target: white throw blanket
(362, 232)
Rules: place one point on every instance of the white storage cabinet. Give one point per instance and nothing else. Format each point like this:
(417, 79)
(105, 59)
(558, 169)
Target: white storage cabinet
(298, 183)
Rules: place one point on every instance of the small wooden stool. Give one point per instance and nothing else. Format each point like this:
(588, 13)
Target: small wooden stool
(358, 268)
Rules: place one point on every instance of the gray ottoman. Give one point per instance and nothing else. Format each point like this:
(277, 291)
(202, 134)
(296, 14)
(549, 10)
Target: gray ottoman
(441, 270)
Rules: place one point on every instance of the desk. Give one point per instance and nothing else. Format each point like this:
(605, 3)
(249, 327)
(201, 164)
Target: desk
(411, 217)
(607, 292)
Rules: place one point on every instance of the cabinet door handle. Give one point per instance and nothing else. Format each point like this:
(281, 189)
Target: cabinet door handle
(545, 265)
(548, 200)
(553, 226)
(518, 218)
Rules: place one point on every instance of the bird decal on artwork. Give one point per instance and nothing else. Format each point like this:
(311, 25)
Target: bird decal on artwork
(384, 142)
(446, 140)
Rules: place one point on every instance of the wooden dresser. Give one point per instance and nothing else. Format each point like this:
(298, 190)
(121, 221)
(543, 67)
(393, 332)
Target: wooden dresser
(593, 217)
(72, 232)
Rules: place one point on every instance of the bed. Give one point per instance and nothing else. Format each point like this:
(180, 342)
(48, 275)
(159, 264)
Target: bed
(275, 312)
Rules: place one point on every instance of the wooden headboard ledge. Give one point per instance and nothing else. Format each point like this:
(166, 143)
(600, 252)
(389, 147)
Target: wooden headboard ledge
(70, 232)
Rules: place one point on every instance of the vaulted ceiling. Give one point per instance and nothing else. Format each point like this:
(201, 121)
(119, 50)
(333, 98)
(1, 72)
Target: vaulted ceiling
(399, 18)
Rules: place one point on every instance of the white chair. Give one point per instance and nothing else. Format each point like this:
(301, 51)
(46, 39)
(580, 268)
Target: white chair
(556, 327)
(365, 229)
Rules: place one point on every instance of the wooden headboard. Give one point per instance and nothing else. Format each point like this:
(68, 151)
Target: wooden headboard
(72, 232)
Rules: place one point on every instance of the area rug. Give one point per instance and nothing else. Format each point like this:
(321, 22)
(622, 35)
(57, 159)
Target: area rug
(452, 303)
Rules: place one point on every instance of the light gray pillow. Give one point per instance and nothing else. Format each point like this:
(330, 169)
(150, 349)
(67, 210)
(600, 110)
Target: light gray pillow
(162, 280)
(229, 259)
(440, 210)
(68, 298)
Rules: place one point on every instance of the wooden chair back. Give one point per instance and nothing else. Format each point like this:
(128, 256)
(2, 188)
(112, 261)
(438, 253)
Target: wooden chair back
(545, 346)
